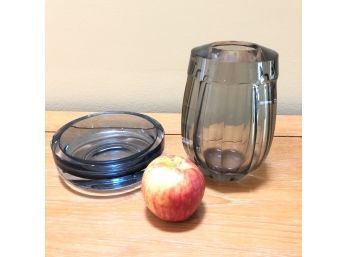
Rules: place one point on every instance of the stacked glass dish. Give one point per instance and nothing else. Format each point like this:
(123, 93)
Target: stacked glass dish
(106, 153)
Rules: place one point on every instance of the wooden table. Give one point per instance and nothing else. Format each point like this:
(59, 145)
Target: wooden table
(259, 216)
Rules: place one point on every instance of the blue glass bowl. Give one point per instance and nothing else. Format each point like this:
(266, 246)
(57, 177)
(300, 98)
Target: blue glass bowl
(106, 153)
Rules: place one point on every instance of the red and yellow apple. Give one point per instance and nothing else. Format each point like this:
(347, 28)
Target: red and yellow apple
(173, 187)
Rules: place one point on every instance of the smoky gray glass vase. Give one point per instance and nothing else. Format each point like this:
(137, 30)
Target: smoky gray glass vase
(229, 107)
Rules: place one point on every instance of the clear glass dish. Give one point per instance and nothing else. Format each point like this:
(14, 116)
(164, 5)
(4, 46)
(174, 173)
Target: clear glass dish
(106, 153)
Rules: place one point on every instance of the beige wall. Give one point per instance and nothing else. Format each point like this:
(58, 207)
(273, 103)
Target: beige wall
(133, 55)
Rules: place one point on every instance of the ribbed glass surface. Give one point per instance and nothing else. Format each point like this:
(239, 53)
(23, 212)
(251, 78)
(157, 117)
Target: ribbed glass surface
(229, 107)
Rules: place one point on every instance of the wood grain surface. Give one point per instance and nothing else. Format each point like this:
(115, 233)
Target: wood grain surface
(258, 216)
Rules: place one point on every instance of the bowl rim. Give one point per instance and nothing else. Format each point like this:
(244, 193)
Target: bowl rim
(57, 136)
